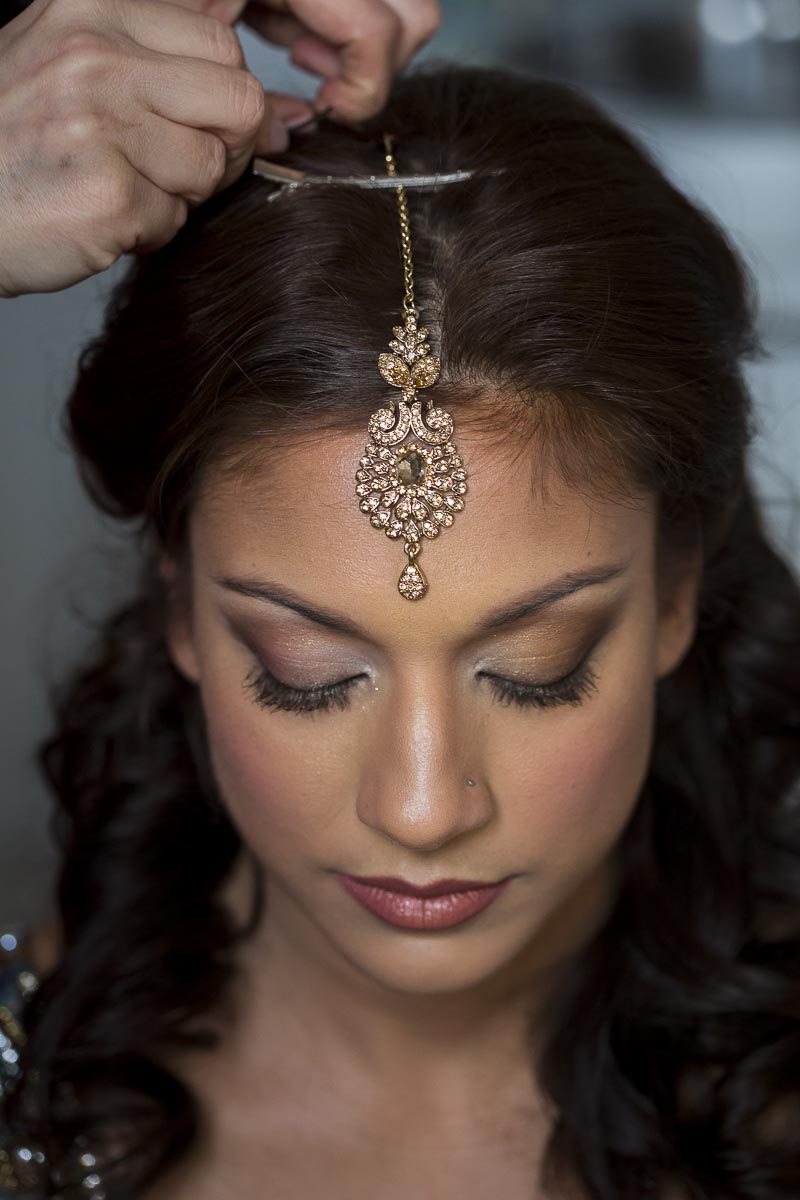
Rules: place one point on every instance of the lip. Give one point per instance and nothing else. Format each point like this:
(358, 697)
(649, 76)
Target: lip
(410, 910)
(441, 887)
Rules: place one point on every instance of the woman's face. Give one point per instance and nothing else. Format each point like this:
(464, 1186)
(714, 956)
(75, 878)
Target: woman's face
(375, 783)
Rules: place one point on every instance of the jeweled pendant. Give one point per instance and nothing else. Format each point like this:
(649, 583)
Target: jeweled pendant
(411, 477)
(412, 583)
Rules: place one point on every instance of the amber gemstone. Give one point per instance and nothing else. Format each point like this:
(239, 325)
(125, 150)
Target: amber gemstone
(411, 468)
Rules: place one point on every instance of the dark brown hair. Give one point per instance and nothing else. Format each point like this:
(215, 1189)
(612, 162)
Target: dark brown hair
(581, 284)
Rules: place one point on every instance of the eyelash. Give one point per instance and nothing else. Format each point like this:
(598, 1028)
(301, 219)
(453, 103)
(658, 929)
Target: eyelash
(270, 692)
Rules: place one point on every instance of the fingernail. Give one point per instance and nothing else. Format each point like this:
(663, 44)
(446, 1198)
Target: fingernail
(300, 119)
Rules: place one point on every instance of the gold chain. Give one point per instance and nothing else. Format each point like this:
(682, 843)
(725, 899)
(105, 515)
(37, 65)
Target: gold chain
(405, 232)
(401, 482)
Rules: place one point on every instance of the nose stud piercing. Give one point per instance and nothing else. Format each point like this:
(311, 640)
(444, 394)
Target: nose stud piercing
(470, 783)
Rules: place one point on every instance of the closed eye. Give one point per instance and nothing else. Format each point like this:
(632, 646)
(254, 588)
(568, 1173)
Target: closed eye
(571, 688)
(271, 692)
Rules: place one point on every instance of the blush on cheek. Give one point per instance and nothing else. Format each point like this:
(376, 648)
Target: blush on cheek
(277, 793)
(577, 787)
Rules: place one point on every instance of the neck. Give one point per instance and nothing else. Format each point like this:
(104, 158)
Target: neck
(295, 990)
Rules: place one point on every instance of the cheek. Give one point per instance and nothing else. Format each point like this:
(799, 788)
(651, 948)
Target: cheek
(280, 778)
(571, 784)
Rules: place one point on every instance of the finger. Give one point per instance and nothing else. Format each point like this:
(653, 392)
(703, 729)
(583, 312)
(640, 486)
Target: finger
(280, 28)
(173, 28)
(308, 51)
(203, 95)
(167, 216)
(361, 87)
(317, 56)
(420, 19)
(138, 216)
(182, 161)
(367, 33)
(322, 56)
(285, 113)
(195, 35)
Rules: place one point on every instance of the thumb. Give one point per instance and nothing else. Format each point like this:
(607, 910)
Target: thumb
(282, 114)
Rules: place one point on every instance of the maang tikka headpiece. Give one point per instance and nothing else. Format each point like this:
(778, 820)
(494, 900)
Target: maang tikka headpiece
(411, 478)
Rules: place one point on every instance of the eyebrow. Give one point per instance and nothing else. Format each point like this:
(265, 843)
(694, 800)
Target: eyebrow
(557, 589)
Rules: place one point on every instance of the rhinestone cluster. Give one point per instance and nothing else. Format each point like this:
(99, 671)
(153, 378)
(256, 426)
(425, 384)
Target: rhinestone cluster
(24, 1167)
(411, 510)
(410, 488)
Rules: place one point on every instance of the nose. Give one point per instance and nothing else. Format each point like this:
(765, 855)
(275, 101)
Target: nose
(414, 788)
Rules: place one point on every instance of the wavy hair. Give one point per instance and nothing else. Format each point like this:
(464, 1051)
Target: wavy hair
(615, 312)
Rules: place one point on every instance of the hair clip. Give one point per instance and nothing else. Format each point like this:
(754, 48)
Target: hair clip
(291, 178)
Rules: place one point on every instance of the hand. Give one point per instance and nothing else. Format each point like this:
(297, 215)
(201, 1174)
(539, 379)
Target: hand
(357, 46)
(117, 115)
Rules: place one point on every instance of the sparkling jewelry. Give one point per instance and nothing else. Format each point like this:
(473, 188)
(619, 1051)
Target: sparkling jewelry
(411, 478)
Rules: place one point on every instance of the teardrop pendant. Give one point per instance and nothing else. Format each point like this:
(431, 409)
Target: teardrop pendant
(412, 583)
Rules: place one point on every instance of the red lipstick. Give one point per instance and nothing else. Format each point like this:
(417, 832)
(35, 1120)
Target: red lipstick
(438, 905)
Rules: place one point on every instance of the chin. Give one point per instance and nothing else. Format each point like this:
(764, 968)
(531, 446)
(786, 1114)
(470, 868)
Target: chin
(419, 963)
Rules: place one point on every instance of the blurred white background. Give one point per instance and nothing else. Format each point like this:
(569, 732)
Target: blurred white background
(712, 86)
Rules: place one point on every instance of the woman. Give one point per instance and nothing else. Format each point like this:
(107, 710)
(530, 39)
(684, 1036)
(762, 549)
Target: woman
(592, 713)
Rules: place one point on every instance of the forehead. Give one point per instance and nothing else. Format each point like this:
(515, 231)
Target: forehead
(290, 514)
